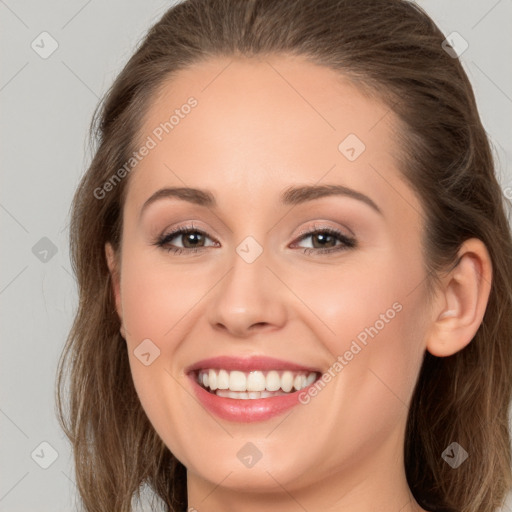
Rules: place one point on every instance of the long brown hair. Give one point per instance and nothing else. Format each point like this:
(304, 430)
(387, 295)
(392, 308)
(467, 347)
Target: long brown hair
(392, 50)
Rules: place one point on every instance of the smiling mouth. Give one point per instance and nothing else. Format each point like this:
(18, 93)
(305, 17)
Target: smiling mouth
(254, 384)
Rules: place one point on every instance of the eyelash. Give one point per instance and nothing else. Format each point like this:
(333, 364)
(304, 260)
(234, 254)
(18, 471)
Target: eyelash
(347, 242)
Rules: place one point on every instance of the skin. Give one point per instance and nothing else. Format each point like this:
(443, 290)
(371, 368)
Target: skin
(260, 126)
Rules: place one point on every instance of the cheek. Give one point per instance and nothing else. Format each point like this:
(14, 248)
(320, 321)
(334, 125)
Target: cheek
(155, 297)
(371, 318)
(359, 298)
(377, 333)
(158, 305)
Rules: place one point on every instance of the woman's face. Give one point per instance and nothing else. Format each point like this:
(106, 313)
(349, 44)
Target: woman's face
(260, 286)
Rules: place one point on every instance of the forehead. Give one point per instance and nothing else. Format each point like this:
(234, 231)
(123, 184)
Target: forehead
(260, 124)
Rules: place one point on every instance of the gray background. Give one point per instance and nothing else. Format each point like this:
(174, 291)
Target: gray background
(46, 106)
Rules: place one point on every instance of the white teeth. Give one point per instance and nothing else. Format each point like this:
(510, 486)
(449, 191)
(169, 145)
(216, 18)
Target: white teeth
(250, 395)
(297, 382)
(256, 381)
(222, 379)
(212, 379)
(310, 379)
(287, 381)
(255, 384)
(273, 381)
(237, 381)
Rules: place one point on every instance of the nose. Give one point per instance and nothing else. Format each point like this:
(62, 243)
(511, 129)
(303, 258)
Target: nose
(248, 299)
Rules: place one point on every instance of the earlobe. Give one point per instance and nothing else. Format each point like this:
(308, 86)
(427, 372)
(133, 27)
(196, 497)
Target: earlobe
(113, 268)
(462, 301)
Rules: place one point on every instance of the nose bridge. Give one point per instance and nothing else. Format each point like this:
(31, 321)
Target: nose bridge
(249, 292)
(249, 267)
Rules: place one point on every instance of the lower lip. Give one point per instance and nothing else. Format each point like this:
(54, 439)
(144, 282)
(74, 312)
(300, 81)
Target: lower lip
(246, 411)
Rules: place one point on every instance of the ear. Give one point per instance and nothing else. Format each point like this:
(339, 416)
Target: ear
(113, 267)
(463, 298)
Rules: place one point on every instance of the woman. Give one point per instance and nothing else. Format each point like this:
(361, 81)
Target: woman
(222, 362)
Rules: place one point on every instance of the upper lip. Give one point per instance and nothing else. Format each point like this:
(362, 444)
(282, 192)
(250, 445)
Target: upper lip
(248, 364)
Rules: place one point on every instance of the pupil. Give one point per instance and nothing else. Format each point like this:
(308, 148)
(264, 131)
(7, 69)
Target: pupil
(322, 237)
(190, 236)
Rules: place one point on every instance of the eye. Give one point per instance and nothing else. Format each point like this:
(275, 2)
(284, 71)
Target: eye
(326, 239)
(191, 242)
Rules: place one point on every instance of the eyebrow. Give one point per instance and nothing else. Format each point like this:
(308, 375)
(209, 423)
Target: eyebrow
(290, 196)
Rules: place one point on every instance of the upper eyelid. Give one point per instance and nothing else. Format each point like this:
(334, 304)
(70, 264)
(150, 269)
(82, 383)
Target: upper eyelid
(317, 227)
(303, 233)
